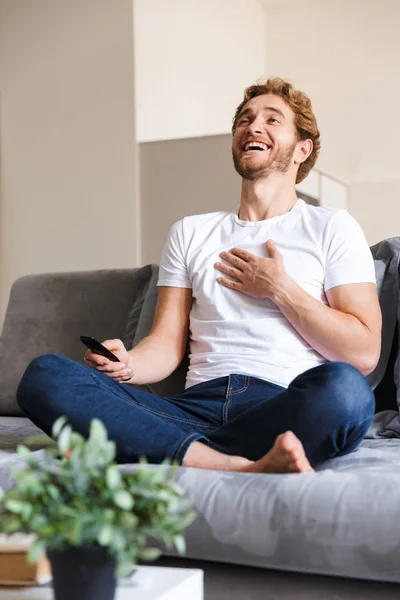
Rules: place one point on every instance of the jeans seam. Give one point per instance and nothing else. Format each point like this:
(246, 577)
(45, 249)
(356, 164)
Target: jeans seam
(244, 388)
(230, 393)
(151, 410)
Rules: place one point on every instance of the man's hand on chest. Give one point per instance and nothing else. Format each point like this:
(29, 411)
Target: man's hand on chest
(253, 275)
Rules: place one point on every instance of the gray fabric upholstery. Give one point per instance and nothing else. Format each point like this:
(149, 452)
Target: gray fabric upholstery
(17, 430)
(143, 279)
(386, 259)
(339, 521)
(48, 313)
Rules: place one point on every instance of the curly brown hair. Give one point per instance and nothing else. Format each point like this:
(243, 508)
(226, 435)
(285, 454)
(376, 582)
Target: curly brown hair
(304, 118)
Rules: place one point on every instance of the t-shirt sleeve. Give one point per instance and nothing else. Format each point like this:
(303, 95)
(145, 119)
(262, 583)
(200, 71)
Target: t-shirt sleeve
(173, 267)
(348, 257)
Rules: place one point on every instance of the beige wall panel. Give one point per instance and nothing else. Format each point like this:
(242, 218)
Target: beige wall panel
(183, 177)
(67, 137)
(376, 206)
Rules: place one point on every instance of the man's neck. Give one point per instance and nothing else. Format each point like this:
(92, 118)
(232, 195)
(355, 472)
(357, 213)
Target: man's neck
(266, 198)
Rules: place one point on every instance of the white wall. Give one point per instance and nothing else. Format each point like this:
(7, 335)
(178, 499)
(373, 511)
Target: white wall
(330, 192)
(68, 153)
(193, 60)
(376, 206)
(345, 55)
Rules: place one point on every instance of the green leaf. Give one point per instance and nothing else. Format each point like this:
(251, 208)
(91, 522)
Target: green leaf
(26, 511)
(98, 433)
(180, 544)
(14, 506)
(64, 439)
(123, 499)
(36, 551)
(108, 515)
(2, 494)
(187, 519)
(41, 439)
(105, 535)
(58, 425)
(53, 491)
(23, 451)
(74, 535)
(149, 554)
(113, 477)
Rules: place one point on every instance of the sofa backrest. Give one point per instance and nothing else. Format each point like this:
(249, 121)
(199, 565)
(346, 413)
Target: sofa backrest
(48, 313)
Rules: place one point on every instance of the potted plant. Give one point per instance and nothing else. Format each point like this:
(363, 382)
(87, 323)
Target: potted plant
(93, 520)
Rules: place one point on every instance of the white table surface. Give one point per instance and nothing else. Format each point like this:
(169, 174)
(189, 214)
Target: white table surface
(148, 583)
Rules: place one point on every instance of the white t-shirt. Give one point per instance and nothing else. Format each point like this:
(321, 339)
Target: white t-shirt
(234, 333)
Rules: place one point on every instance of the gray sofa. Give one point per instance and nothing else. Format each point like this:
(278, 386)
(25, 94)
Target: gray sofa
(256, 536)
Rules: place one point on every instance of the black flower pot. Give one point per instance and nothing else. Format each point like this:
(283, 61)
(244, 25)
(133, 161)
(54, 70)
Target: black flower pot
(83, 573)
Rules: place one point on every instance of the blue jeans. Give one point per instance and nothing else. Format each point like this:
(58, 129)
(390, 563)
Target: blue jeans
(328, 407)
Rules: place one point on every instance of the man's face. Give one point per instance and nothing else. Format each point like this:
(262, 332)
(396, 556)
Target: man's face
(265, 138)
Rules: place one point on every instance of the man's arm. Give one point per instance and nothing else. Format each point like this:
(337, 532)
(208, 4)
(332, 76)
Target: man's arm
(347, 330)
(160, 353)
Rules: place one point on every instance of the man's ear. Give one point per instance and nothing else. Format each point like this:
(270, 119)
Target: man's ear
(303, 151)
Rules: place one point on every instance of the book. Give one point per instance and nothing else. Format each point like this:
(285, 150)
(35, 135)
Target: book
(14, 566)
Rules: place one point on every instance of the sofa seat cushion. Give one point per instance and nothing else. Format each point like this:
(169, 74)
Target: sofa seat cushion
(341, 520)
(16, 430)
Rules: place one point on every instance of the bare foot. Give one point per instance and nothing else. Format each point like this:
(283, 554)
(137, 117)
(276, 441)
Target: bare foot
(286, 456)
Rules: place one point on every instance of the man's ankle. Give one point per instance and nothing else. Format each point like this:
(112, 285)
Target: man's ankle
(200, 456)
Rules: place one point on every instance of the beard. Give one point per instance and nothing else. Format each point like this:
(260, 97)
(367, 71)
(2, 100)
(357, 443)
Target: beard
(255, 170)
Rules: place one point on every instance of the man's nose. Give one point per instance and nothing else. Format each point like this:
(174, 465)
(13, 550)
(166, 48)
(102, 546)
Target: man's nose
(257, 125)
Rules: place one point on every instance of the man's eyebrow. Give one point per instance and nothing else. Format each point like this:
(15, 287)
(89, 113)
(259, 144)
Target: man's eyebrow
(266, 108)
(273, 109)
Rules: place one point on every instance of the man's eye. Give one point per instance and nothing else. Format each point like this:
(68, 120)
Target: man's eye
(273, 119)
(243, 121)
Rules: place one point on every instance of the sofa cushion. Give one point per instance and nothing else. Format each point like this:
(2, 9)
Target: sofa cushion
(386, 259)
(17, 430)
(146, 277)
(48, 313)
(340, 520)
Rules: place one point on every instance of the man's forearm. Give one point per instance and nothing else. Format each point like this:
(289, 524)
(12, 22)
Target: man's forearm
(152, 360)
(334, 334)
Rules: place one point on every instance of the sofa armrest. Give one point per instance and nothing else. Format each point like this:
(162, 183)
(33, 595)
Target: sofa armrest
(48, 313)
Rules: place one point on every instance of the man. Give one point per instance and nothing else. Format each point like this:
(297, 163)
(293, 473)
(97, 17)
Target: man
(284, 320)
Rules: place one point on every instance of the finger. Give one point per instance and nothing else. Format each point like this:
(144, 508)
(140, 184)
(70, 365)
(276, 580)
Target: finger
(89, 362)
(114, 345)
(122, 379)
(124, 375)
(233, 260)
(272, 249)
(229, 270)
(234, 285)
(94, 359)
(112, 367)
(242, 254)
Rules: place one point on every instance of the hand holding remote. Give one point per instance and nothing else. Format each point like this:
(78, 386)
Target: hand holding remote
(119, 371)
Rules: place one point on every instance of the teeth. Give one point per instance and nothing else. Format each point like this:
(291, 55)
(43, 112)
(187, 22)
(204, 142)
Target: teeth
(254, 145)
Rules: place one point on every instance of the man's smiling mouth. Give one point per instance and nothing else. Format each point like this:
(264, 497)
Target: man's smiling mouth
(255, 147)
